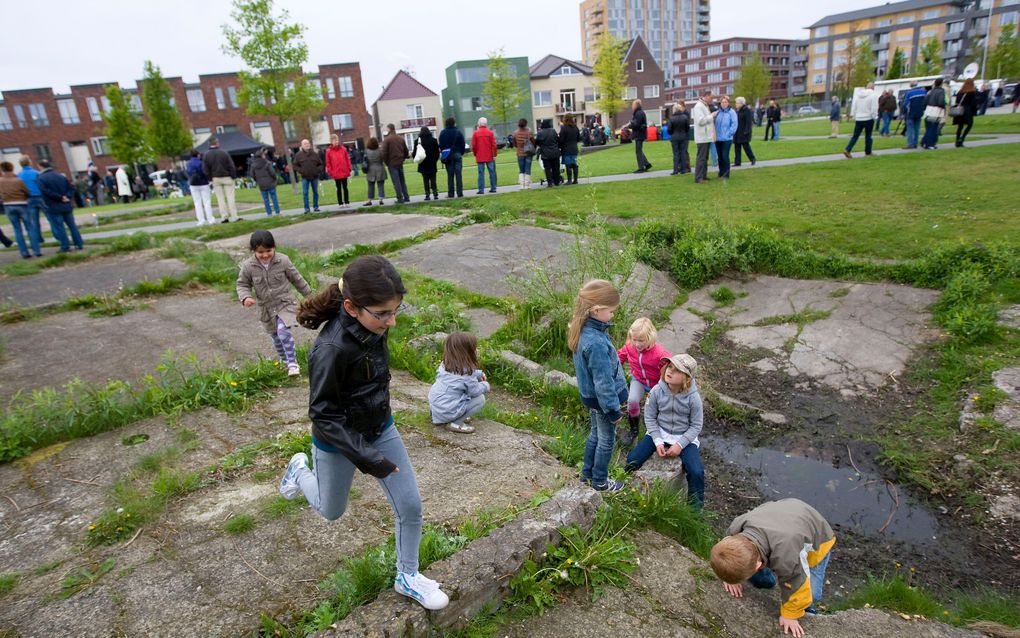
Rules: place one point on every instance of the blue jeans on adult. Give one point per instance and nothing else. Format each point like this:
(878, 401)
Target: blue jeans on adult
(327, 488)
(886, 119)
(775, 130)
(271, 195)
(36, 205)
(723, 151)
(765, 578)
(931, 133)
(492, 176)
(18, 214)
(524, 164)
(862, 125)
(314, 184)
(455, 176)
(690, 458)
(57, 222)
(913, 132)
(598, 450)
(713, 154)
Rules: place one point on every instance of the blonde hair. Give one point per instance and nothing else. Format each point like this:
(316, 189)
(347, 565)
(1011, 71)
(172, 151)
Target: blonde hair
(597, 292)
(685, 379)
(734, 559)
(334, 137)
(643, 327)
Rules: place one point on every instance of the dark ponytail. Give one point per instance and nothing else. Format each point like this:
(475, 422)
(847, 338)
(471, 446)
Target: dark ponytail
(369, 280)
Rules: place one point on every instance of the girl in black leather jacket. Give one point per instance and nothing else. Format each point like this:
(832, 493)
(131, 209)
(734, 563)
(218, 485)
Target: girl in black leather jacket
(349, 405)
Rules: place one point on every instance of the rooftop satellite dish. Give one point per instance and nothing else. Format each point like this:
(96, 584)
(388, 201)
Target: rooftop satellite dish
(970, 71)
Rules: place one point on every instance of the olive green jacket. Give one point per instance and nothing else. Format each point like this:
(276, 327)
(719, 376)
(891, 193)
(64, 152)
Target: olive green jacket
(271, 289)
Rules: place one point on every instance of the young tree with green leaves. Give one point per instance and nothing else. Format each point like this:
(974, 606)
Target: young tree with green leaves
(502, 94)
(165, 132)
(898, 66)
(124, 131)
(929, 59)
(755, 80)
(1004, 58)
(864, 64)
(274, 51)
(610, 73)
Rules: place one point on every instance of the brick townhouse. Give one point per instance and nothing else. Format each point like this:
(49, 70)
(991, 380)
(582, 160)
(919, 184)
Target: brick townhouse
(68, 130)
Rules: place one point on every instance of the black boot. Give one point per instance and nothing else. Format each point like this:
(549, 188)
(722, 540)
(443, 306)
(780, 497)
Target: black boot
(627, 438)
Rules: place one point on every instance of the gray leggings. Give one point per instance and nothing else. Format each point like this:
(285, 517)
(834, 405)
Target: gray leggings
(637, 392)
(328, 485)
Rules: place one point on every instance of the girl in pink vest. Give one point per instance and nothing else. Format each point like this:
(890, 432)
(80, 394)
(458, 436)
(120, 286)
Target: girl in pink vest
(644, 356)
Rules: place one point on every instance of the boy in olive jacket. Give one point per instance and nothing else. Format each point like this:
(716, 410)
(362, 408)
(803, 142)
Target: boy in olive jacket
(786, 542)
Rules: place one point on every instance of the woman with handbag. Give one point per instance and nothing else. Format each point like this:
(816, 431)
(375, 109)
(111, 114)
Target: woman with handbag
(934, 115)
(569, 138)
(964, 110)
(375, 172)
(524, 142)
(426, 156)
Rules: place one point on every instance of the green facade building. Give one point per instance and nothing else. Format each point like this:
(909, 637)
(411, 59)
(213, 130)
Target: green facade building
(462, 97)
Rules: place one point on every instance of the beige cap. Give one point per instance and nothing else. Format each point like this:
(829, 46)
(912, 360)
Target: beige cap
(684, 363)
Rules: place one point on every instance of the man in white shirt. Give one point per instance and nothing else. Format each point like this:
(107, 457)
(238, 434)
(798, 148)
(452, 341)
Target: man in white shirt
(864, 112)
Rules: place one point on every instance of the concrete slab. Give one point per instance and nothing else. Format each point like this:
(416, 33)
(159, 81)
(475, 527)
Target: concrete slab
(182, 575)
(102, 276)
(55, 349)
(682, 330)
(484, 322)
(871, 330)
(323, 236)
(491, 260)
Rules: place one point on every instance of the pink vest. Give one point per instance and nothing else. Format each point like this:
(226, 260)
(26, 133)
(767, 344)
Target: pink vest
(645, 366)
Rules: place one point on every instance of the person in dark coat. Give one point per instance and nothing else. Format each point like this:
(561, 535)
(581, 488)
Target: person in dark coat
(773, 116)
(936, 98)
(549, 151)
(264, 174)
(428, 167)
(569, 139)
(639, 133)
(58, 194)
(679, 129)
(308, 165)
(983, 97)
(967, 98)
(742, 138)
(451, 154)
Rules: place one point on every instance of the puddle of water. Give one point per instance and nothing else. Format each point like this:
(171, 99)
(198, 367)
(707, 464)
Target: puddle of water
(862, 502)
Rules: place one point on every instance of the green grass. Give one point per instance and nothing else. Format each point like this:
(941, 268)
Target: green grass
(8, 581)
(239, 524)
(894, 207)
(85, 577)
(1006, 123)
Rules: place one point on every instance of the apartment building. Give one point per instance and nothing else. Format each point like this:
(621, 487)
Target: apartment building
(664, 25)
(462, 97)
(68, 129)
(716, 65)
(959, 26)
(408, 105)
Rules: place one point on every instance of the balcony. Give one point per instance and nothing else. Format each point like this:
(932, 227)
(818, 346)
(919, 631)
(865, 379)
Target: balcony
(703, 19)
(418, 122)
(799, 59)
(976, 32)
(880, 46)
(562, 109)
(955, 35)
(799, 73)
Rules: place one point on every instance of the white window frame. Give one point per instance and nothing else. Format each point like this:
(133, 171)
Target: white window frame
(99, 146)
(541, 98)
(415, 111)
(639, 65)
(346, 86)
(196, 100)
(631, 93)
(221, 99)
(95, 114)
(6, 124)
(330, 89)
(232, 95)
(68, 111)
(37, 113)
(342, 122)
(651, 91)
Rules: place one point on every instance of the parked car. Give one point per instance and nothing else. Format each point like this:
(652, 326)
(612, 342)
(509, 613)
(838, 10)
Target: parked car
(807, 110)
(160, 178)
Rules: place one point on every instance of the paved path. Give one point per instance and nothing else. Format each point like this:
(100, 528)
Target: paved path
(991, 140)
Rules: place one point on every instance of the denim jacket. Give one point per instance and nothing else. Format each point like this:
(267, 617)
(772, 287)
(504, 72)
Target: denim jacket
(600, 377)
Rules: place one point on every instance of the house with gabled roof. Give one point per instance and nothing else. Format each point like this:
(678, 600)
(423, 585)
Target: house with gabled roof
(409, 105)
(561, 87)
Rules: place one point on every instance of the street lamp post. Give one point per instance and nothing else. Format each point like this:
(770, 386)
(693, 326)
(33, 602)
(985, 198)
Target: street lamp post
(988, 38)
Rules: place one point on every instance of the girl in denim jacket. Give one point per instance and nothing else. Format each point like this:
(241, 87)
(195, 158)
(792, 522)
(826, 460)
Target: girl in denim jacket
(600, 379)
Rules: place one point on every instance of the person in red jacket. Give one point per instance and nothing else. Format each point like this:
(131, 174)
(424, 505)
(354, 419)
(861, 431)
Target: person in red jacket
(338, 167)
(483, 145)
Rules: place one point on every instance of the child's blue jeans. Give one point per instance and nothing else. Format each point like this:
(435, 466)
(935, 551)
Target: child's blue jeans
(690, 457)
(598, 450)
(765, 578)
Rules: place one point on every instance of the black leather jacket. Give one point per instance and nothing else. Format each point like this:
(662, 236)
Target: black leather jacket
(349, 391)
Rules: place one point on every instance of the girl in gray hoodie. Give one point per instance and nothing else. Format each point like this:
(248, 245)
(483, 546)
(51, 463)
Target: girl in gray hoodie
(673, 420)
(460, 387)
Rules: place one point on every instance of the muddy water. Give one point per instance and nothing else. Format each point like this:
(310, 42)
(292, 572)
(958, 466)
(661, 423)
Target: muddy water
(862, 502)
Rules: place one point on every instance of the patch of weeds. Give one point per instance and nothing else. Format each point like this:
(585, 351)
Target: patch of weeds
(711, 337)
(839, 293)
(897, 594)
(110, 306)
(46, 568)
(188, 438)
(279, 507)
(665, 511)
(986, 400)
(988, 606)
(134, 439)
(82, 301)
(265, 476)
(239, 524)
(595, 559)
(702, 574)
(8, 581)
(133, 242)
(801, 319)
(153, 462)
(79, 409)
(723, 296)
(85, 577)
(176, 249)
(170, 484)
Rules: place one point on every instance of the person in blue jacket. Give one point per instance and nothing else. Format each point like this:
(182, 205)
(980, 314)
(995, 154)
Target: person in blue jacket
(912, 108)
(58, 195)
(725, 127)
(451, 154)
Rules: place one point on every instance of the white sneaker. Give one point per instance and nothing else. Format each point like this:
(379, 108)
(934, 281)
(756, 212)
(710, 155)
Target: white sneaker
(425, 590)
(289, 487)
(293, 371)
(463, 428)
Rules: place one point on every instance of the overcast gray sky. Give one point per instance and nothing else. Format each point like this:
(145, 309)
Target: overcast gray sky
(69, 42)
